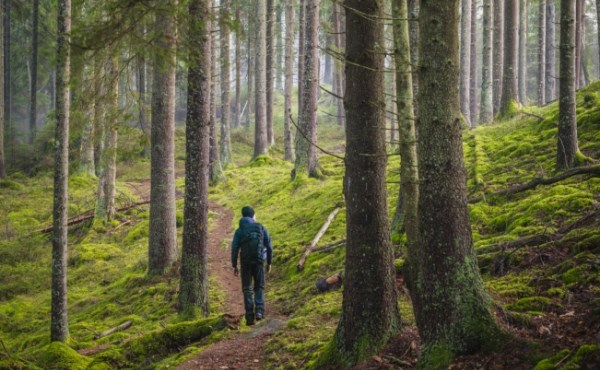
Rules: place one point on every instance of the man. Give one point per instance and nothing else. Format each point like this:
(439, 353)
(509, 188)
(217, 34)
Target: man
(253, 243)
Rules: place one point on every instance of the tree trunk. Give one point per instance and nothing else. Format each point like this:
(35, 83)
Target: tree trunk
(269, 72)
(141, 87)
(598, 31)
(487, 107)
(465, 59)
(452, 308)
(369, 309)
(289, 79)
(261, 143)
(163, 232)
(550, 51)
(279, 47)
(406, 213)
(251, 61)
(7, 67)
(567, 147)
(34, 65)
(541, 77)
(498, 50)
(301, 48)
(522, 75)
(306, 153)
(59, 324)
(110, 148)
(413, 27)
(510, 91)
(99, 128)
(193, 283)
(214, 163)
(474, 108)
(225, 84)
(2, 125)
(238, 68)
(338, 62)
(579, 10)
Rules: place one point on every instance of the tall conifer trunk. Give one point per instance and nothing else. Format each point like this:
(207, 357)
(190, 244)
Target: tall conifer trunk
(269, 72)
(214, 162)
(34, 68)
(289, 78)
(498, 51)
(541, 76)
(238, 68)
(522, 74)
(510, 89)
(2, 158)
(550, 51)
(465, 58)
(225, 86)
(487, 107)
(261, 145)
(474, 103)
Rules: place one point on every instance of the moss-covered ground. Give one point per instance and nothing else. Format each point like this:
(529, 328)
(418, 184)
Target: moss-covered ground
(547, 295)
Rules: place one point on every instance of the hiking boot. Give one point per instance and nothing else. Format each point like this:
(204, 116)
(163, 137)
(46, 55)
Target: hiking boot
(259, 316)
(249, 320)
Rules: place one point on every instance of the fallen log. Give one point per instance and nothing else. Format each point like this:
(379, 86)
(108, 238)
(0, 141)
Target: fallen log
(316, 239)
(334, 281)
(108, 332)
(537, 181)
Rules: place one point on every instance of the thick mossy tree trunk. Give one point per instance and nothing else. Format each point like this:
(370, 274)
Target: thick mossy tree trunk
(260, 117)
(465, 58)
(522, 74)
(550, 51)
(163, 232)
(498, 51)
(225, 157)
(289, 79)
(541, 76)
(567, 147)
(306, 137)
(2, 158)
(452, 309)
(34, 65)
(193, 283)
(510, 88)
(406, 211)
(369, 310)
(59, 322)
(487, 108)
(269, 71)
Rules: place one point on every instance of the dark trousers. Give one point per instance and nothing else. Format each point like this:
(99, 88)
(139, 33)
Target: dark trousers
(254, 298)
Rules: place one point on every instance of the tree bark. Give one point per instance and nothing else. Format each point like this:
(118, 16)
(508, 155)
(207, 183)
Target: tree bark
(141, 87)
(338, 62)
(567, 147)
(465, 59)
(7, 68)
(59, 323)
(34, 65)
(498, 53)
(269, 72)
(99, 127)
(510, 90)
(301, 48)
(214, 162)
(522, 74)
(370, 313)
(163, 232)
(487, 108)
(474, 106)
(550, 51)
(413, 27)
(225, 157)
(261, 143)
(2, 121)
(452, 308)
(251, 51)
(289, 79)
(238, 68)
(541, 77)
(579, 10)
(193, 283)
(110, 148)
(279, 74)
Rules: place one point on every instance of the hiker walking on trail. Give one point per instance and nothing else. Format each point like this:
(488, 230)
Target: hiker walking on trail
(253, 243)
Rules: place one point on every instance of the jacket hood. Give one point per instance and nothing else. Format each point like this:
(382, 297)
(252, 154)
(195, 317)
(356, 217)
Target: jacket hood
(246, 220)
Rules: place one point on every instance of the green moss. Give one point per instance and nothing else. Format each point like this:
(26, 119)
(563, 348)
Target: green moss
(437, 356)
(530, 304)
(588, 354)
(10, 184)
(59, 356)
(550, 363)
(139, 231)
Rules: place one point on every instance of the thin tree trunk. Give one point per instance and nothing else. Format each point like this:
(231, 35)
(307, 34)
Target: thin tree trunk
(269, 72)
(110, 148)
(7, 68)
(59, 324)
(487, 107)
(214, 163)
(34, 67)
(193, 283)
(279, 47)
(413, 27)
(465, 58)
(261, 143)
(474, 102)
(301, 48)
(498, 51)
(541, 77)
(99, 130)
(238, 68)
(567, 147)
(579, 10)
(369, 309)
(452, 309)
(225, 156)
(550, 51)
(338, 63)
(251, 61)
(141, 87)
(510, 89)
(2, 125)
(522, 74)
(163, 232)
(289, 79)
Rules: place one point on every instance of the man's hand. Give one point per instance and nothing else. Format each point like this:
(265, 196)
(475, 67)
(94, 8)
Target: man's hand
(268, 269)
(236, 272)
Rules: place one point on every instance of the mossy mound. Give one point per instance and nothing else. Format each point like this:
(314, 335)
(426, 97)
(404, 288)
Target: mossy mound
(59, 356)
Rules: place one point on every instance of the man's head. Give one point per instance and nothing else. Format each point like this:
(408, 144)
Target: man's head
(247, 211)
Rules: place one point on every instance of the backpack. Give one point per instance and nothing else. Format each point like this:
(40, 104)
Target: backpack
(251, 242)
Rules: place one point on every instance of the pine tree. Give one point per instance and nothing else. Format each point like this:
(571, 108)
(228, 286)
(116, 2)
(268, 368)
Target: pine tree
(34, 68)
(487, 108)
(465, 58)
(2, 158)
(522, 68)
(289, 78)
(510, 89)
(541, 76)
(260, 118)
(498, 50)
(550, 51)
(225, 156)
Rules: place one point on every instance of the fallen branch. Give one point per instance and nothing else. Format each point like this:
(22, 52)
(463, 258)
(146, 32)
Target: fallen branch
(330, 246)
(537, 181)
(316, 239)
(108, 332)
(533, 115)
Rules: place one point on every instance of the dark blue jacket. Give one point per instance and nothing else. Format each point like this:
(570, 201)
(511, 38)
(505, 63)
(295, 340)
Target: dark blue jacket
(235, 244)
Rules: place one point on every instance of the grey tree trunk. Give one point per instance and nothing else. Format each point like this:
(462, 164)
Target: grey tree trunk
(567, 148)
(522, 75)
(34, 67)
(163, 232)
(7, 67)
(452, 309)
(279, 75)
(301, 48)
(99, 129)
(579, 9)
(474, 102)
(498, 52)
(487, 93)
(86, 162)
(406, 210)
(251, 50)
(338, 62)
(238, 68)
(413, 27)
(59, 322)
(510, 89)
(370, 313)
(141, 87)
(2, 158)
(289, 78)
(550, 51)
(306, 137)
(193, 281)
(225, 157)
(214, 162)
(110, 148)
(465, 59)
(261, 144)
(269, 72)
(541, 77)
